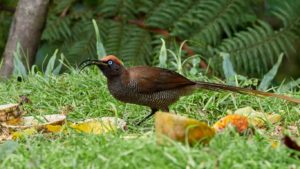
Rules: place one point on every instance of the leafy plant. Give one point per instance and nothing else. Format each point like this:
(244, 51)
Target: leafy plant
(19, 67)
(99, 45)
(231, 75)
(20, 70)
(176, 62)
(163, 55)
(51, 69)
(268, 77)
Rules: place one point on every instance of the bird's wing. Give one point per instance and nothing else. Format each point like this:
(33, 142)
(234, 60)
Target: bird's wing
(153, 79)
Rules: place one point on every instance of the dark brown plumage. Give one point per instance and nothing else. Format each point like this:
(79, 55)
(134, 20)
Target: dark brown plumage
(155, 87)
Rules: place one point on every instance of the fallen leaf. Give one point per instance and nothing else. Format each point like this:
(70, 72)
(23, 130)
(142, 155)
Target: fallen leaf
(15, 121)
(274, 143)
(240, 122)
(24, 133)
(38, 122)
(258, 119)
(54, 128)
(4, 134)
(100, 125)
(181, 129)
(9, 111)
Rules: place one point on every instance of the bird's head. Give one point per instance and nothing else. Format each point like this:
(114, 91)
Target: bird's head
(109, 65)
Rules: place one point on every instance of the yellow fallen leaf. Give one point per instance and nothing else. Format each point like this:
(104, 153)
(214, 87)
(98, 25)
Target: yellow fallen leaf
(181, 129)
(275, 143)
(54, 128)
(256, 118)
(240, 122)
(23, 133)
(99, 125)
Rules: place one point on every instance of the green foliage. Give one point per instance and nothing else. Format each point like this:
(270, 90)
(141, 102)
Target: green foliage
(228, 70)
(131, 29)
(19, 66)
(22, 70)
(268, 77)
(50, 68)
(232, 77)
(99, 45)
(206, 21)
(163, 55)
(255, 49)
(187, 66)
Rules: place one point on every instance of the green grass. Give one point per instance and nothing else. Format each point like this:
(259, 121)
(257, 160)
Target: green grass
(87, 94)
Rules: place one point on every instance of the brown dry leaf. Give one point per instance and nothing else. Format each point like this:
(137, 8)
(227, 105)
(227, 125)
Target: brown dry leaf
(4, 134)
(9, 111)
(14, 121)
(240, 122)
(100, 125)
(258, 119)
(38, 122)
(181, 129)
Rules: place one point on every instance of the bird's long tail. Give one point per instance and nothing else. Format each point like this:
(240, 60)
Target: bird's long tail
(214, 86)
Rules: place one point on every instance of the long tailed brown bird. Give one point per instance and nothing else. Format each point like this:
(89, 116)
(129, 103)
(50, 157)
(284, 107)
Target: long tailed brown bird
(155, 87)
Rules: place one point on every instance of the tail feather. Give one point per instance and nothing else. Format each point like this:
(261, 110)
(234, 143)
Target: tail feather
(214, 86)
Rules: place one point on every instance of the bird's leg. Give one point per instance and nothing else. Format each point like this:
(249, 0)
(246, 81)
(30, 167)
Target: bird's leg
(153, 111)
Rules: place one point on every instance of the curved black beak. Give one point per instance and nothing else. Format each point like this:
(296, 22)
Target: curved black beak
(90, 62)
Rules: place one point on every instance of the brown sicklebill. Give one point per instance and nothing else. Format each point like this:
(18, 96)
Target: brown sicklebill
(155, 87)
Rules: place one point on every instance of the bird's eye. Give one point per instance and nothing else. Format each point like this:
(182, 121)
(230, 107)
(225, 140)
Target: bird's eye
(110, 62)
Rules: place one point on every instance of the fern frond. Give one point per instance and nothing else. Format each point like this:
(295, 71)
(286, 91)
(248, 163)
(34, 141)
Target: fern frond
(145, 7)
(130, 43)
(207, 20)
(117, 8)
(289, 14)
(255, 50)
(116, 38)
(57, 29)
(60, 6)
(137, 49)
(210, 26)
(167, 13)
